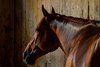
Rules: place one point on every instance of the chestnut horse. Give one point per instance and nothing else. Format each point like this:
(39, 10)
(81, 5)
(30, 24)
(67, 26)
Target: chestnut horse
(78, 38)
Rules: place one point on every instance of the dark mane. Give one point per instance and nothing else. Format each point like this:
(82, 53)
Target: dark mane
(74, 20)
(79, 21)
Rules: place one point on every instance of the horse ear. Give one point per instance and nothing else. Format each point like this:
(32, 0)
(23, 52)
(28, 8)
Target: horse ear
(45, 13)
(53, 11)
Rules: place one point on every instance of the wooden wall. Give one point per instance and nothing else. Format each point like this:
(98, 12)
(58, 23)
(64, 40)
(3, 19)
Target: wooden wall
(18, 32)
(18, 18)
(32, 14)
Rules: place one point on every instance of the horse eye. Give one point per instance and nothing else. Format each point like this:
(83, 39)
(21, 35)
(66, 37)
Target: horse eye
(38, 29)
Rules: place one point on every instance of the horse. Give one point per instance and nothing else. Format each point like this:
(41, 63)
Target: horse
(78, 38)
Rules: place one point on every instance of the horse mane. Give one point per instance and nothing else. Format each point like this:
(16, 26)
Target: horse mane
(79, 21)
(84, 45)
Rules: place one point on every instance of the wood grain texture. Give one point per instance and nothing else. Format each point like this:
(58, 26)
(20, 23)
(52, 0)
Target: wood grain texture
(32, 14)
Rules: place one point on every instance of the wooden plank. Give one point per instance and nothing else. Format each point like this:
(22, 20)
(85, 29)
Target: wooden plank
(97, 9)
(33, 14)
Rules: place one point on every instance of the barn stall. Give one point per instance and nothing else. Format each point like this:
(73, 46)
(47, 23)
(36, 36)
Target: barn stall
(18, 18)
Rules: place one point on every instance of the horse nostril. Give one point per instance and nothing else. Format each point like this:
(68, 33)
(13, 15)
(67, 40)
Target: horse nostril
(30, 59)
(25, 54)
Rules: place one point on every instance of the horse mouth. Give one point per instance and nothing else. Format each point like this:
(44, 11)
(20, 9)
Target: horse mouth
(28, 61)
(31, 56)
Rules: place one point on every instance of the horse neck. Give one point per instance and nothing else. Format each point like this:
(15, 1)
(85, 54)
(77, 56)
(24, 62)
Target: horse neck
(65, 33)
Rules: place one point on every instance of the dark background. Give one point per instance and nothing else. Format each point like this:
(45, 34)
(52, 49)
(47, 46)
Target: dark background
(10, 33)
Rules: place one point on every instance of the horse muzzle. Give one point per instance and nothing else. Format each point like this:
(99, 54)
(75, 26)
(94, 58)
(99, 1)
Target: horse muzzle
(31, 56)
(28, 58)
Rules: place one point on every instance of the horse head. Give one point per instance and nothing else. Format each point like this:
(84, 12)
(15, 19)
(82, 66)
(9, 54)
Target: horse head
(43, 41)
